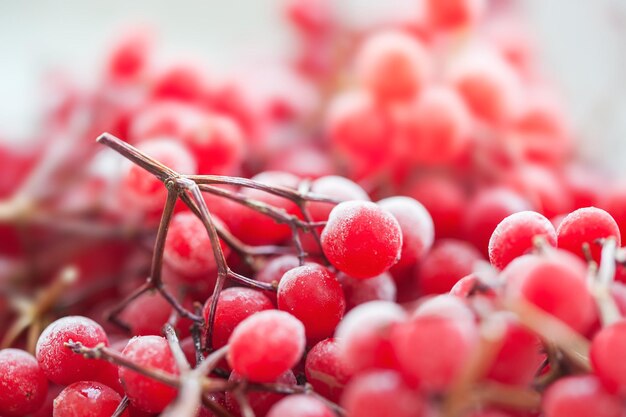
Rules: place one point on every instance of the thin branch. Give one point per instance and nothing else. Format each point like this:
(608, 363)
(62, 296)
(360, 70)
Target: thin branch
(121, 407)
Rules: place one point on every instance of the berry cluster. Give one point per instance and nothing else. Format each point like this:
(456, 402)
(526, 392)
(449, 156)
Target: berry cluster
(391, 223)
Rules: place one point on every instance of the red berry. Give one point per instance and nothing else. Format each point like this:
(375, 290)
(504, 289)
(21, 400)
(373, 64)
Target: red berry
(454, 14)
(312, 294)
(586, 225)
(260, 401)
(146, 393)
(416, 225)
(359, 291)
(381, 393)
(58, 362)
(608, 345)
(182, 82)
(333, 186)
(130, 56)
(555, 283)
(514, 236)
(23, 384)
(188, 248)
(300, 406)
(393, 65)
(361, 239)
(325, 370)
(147, 314)
(87, 399)
(266, 345)
(580, 396)
(233, 306)
(432, 350)
(363, 335)
(437, 127)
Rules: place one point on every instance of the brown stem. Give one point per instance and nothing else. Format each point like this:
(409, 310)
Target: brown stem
(121, 407)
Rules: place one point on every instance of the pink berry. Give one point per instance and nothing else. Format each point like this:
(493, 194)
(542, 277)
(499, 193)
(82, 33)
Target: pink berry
(325, 370)
(266, 345)
(23, 384)
(272, 272)
(333, 186)
(580, 396)
(300, 406)
(381, 393)
(359, 291)
(454, 14)
(260, 401)
(606, 346)
(361, 239)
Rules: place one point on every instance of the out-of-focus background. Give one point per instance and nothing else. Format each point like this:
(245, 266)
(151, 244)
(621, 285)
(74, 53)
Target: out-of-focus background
(582, 45)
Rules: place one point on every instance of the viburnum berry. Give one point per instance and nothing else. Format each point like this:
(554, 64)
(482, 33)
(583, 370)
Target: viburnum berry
(181, 82)
(325, 369)
(23, 384)
(272, 272)
(436, 128)
(432, 350)
(266, 345)
(606, 344)
(313, 294)
(87, 399)
(447, 262)
(147, 314)
(255, 228)
(381, 393)
(554, 282)
(453, 14)
(444, 305)
(333, 186)
(300, 405)
(362, 239)
(58, 362)
(145, 393)
(393, 65)
(260, 401)
(580, 396)
(233, 306)
(418, 232)
(363, 335)
(486, 209)
(587, 226)
(359, 291)
(188, 248)
(514, 236)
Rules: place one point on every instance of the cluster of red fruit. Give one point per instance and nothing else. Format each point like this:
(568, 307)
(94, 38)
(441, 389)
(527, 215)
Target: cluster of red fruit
(483, 282)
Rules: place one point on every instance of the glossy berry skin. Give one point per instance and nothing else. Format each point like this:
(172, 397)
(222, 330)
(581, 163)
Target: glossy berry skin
(586, 225)
(554, 282)
(188, 248)
(147, 314)
(363, 336)
(58, 362)
(325, 370)
(266, 345)
(607, 343)
(87, 399)
(514, 236)
(260, 401)
(145, 393)
(312, 294)
(23, 386)
(580, 396)
(393, 65)
(359, 291)
(300, 405)
(418, 230)
(432, 350)
(233, 306)
(361, 239)
(381, 393)
(447, 262)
